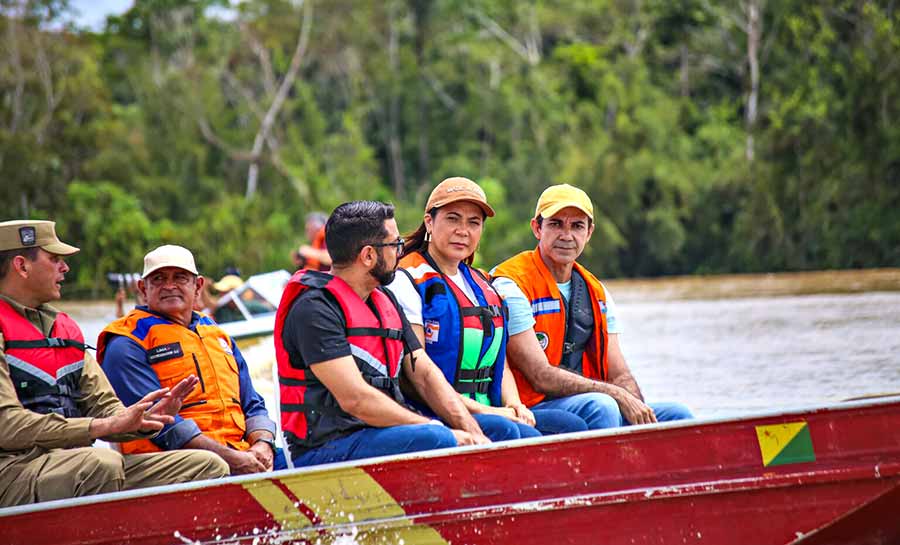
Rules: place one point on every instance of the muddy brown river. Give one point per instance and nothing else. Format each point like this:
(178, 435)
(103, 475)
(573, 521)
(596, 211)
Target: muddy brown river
(723, 356)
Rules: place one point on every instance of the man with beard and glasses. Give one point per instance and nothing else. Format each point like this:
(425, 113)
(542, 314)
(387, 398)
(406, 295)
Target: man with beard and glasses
(342, 342)
(563, 333)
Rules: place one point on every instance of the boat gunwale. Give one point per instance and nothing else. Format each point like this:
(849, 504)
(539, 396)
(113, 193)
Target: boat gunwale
(892, 399)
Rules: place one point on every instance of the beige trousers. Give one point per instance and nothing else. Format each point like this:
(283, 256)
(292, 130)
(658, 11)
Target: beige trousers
(67, 473)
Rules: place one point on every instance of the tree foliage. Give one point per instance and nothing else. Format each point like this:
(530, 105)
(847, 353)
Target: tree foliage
(744, 136)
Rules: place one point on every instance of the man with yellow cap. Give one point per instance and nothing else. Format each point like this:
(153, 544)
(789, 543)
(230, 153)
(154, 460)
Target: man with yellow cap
(156, 345)
(564, 336)
(55, 400)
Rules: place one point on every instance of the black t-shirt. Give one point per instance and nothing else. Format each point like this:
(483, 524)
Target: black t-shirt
(315, 329)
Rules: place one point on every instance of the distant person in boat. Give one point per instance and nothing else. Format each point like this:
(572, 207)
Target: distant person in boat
(208, 301)
(55, 400)
(459, 317)
(127, 287)
(564, 332)
(342, 343)
(158, 344)
(314, 255)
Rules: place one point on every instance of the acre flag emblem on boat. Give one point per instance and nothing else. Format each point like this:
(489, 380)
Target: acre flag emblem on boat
(788, 443)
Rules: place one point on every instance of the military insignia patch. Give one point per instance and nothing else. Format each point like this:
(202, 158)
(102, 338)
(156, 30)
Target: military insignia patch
(27, 236)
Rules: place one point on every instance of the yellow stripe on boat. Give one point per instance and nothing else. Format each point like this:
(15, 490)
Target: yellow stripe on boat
(347, 495)
(277, 504)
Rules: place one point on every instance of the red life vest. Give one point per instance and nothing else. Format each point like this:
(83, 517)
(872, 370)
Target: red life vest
(46, 371)
(310, 415)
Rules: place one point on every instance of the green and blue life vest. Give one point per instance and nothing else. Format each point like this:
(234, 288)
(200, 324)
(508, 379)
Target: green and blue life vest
(467, 341)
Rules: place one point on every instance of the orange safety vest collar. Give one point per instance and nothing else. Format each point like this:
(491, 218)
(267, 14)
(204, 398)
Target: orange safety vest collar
(529, 272)
(175, 352)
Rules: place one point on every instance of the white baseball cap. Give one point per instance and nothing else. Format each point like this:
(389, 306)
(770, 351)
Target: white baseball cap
(169, 256)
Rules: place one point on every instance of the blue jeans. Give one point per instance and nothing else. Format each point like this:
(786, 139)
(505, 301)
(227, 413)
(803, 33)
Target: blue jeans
(553, 421)
(372, 442)
(280, 459)
(600, 411)
(499, 428)
(547, 422)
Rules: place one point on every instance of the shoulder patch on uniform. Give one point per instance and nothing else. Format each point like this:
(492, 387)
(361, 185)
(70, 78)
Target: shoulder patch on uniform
(543, 339)
(226, 346)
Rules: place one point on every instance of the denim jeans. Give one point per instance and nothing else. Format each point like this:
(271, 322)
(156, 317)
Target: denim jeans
(553, 421)
(600, 411)
(372, 442)
(499, 428)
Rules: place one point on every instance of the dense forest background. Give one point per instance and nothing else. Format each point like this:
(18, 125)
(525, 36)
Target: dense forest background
(733, 136)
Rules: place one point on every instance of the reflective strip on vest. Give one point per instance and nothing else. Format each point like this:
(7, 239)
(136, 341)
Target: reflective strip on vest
(372, 361)
(38, 373)
(547, 305)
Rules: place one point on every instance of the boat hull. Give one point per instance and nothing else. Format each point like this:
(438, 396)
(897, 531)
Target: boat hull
(736, 481)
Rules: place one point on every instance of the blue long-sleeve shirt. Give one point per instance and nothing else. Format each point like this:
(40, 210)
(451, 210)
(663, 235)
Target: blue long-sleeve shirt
(132, 377)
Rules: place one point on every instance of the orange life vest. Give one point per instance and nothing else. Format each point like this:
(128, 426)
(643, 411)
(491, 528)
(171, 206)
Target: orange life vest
(175, 352)
(318, 243)
(528, 270)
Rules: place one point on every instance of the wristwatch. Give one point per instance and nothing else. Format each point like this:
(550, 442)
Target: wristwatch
(270, 442)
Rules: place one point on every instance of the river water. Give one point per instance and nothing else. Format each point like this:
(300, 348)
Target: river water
(720, 356)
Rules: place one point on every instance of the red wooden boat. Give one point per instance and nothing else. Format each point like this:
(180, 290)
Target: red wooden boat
(825, 475)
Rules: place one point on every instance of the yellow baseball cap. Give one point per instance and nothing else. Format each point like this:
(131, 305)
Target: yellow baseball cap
(33, 234)
(557, 197)
(458, 189)
(169, 256)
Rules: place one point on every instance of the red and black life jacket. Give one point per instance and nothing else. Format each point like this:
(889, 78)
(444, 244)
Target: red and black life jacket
(310, 415)
(46, 371)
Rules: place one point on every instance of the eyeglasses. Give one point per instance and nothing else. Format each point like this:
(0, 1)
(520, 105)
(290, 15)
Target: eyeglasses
(399, 243)
(181, 279)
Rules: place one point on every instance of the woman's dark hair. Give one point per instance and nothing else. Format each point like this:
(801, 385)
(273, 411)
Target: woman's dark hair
(354, 225)
(415, 241)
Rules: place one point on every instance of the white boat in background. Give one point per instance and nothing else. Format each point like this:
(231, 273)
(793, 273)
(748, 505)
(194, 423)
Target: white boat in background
(247, 312)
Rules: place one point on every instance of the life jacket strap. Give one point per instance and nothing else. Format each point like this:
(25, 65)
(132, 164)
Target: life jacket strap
(569, 348)
(285, 381)
(482, 373)
(49, 342)
(482, 387)
(381, 383)
(490, 311)
(387, 333)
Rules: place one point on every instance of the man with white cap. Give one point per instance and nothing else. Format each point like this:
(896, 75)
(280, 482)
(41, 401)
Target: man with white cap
(160, 343)
(55, 400)
(564, 335)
